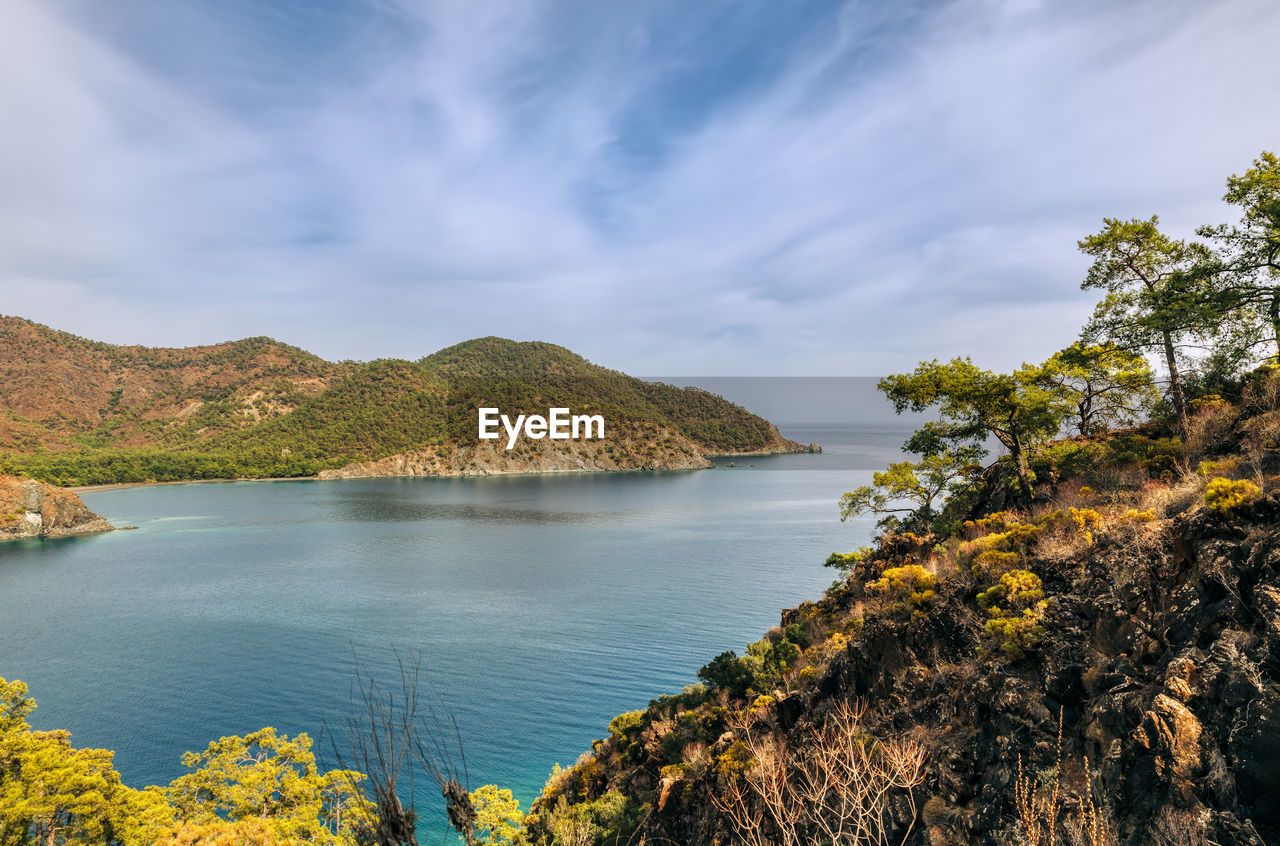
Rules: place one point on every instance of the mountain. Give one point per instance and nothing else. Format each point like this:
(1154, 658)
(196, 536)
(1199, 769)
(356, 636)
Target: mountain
(62, 391)
(76, 411)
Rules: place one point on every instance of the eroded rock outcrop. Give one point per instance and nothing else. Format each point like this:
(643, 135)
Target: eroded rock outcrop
(31, 509)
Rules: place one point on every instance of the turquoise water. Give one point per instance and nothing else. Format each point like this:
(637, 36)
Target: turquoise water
(541, 606)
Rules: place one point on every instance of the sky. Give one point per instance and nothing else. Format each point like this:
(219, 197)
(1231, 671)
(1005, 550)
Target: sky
(727, 188)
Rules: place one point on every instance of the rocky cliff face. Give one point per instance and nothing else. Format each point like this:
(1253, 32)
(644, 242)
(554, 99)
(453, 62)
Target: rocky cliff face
(1144, 685)
(31, 509)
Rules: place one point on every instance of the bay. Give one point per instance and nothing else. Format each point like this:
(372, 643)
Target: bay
(541, 606)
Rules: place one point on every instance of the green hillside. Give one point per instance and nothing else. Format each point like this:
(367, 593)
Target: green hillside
(257, 408)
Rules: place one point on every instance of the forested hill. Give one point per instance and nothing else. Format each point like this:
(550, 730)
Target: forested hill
(76, 411)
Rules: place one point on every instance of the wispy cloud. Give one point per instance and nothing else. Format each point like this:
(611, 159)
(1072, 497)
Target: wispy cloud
(717, 187)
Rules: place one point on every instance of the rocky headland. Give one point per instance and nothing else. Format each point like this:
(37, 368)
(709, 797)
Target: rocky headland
(638, 446)
(31, 509)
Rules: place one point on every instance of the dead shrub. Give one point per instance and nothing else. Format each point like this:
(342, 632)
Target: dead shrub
(1176, 827)
(1209, 429)
(838, 786)
(1179, 496)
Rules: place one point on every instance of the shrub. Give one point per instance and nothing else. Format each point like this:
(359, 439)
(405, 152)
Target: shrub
(845, 563)
(1224, 494)
(769, 662)
(1085, 520)
(1209, 469)
(838, 642)
(1017, 634)
(728, 672)
(673, 771)
(1006, 540)
(1016, 589)
(1015, 607)
(911, 587)
(624, 724)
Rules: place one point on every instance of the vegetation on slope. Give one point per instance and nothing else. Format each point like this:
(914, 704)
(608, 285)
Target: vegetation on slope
(263, 788)
(257, 408)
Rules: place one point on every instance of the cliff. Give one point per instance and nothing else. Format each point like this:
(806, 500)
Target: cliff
(31, 509)
(1102, 663)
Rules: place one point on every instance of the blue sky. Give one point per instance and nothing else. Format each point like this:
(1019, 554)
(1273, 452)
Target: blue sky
(731, 188)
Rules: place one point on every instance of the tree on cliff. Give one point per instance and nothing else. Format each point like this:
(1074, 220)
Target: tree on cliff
(913, 488)
(1109, 386)
(1158, 296)
(1248, 268)
(1013, 408)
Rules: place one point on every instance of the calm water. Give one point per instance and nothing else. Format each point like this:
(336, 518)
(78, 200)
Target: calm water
(541, 606)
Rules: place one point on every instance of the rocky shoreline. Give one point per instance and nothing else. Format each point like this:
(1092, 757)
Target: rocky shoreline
(31, 509)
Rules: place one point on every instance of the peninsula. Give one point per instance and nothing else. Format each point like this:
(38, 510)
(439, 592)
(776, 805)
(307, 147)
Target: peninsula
(80, 412)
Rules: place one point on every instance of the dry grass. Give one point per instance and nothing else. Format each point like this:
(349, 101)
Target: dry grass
(1182, 495)
(838, 785)
(1175, 827)
(1042, 811)
(1209, 429)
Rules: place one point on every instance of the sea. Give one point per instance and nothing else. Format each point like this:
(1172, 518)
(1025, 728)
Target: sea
(537, 607)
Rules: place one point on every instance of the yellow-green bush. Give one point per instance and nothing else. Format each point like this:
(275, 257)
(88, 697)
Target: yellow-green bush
(910, 586)
(1085, 518)
(1007, 541)
(1220, 467)
(735, 760)
(624, 724)
(1085, 521)
(673, 771)
(1017, 634)
(838, 642)
(1010, 538)
(1015, 607)
(1016, 589)
(1224, 494)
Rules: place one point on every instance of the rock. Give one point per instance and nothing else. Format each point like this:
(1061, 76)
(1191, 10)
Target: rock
(1170, 733)
(30, 509)
(1255, 748)
(665, 786)
(1266, 599)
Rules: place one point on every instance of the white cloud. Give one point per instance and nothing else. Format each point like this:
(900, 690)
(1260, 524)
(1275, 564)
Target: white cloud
(905, 187)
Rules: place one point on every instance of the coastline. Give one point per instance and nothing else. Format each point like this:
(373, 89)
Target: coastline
(117, 486)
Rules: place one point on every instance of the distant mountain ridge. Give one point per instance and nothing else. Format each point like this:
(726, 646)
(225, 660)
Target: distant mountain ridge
(77, 411)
